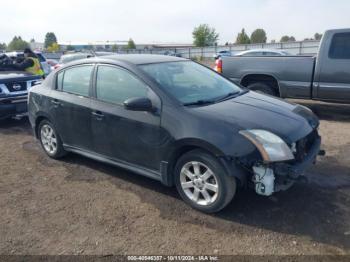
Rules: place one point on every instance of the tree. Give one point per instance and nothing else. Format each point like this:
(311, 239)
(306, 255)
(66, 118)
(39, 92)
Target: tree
(292, 39)
(258, 36)
(287, 39)
(50, 38)
(242, 38)
(53, 48)
(318, 36)
(114, 48)
(2, 46)
(204, 35)
(70, 48)
(17, 43)
(284, 38)
(131, 44)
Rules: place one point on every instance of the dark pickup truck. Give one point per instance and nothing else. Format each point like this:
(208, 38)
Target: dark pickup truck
(14, 87)
(325, 77)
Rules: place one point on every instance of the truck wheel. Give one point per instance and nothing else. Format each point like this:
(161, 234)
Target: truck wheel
(203, 183)
(263, 88)
(50, 140)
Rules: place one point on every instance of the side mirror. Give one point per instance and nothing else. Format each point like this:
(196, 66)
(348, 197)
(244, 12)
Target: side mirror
(139, 104)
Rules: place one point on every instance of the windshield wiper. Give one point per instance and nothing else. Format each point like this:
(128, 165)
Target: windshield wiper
(199, 102)
(227, 96)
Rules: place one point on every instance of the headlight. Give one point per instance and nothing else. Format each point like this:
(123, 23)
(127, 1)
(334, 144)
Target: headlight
(271, 147)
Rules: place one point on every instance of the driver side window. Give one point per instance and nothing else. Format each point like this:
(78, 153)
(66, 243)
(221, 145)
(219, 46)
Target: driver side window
(115, 85)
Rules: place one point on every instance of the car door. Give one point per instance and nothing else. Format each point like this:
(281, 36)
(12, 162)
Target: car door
(118, 133)
(71, 106)
(334, 72)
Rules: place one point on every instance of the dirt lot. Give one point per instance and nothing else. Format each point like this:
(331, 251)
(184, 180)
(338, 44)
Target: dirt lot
(79, 206)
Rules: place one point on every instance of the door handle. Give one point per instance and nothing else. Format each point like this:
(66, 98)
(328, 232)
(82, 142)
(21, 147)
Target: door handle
(98, 115)
(56, 103)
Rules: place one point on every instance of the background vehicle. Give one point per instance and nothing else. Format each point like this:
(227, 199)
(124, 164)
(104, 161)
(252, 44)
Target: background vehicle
(172, 53)
(222, 53)
(14, 87)
(53, 63)
(72, 57)
(325, 77)
(45, 66)
(175, 121)
(263, 52)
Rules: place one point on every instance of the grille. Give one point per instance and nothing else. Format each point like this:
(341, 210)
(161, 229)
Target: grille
(16, 86)
(304, 145)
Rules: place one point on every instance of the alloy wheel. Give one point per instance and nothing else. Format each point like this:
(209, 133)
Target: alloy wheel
(199, 183)
(48, 139)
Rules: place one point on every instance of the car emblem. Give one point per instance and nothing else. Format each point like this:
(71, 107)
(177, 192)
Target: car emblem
(16, 87)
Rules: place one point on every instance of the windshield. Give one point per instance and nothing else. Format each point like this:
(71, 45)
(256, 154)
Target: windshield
(190, 82)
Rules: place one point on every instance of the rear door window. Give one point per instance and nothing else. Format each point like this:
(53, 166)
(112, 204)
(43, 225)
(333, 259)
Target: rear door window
(340, 46)
(76, 80)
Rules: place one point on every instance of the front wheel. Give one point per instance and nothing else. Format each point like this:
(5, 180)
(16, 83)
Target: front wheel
(203, 183)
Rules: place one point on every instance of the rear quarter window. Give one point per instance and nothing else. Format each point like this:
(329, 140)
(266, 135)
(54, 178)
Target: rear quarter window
(340, 46)
(76, 80)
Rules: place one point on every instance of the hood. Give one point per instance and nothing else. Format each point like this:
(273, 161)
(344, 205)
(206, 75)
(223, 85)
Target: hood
(6, 76)
(252, 110)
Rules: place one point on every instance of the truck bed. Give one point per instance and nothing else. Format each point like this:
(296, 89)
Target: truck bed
(293, 73)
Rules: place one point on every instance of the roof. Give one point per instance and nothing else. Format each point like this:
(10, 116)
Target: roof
(139, 59)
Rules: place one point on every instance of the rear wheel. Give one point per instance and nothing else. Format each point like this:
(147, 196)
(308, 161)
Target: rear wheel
(50, 140)
(203, 183)
(263, 88)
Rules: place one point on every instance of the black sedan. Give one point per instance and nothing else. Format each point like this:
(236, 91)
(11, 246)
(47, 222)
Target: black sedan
(175, 121)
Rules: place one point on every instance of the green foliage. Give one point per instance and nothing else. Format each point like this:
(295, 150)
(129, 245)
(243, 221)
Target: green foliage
(286, 38)
(131, 44)
(242, 38)
(318, 36)
(114, 48)
(17, 43)
(50, 38)
(3, 46)
(203, 35)
(53, 48)
(70, 48)
(258, 36)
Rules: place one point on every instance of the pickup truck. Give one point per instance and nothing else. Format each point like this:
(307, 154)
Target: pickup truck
(324, 77)
(14, 87)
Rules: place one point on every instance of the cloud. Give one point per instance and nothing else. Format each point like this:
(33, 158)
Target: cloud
(167, 21)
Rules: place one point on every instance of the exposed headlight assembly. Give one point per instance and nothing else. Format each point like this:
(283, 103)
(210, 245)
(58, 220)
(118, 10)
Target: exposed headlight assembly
(271, 147)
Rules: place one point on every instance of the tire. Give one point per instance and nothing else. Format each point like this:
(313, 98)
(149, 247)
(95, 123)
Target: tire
(52, 144)
(191, 182)
(263, 88)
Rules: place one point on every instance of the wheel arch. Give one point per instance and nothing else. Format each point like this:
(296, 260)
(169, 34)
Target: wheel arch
(252, 78)
(38, 119)
(183, 146)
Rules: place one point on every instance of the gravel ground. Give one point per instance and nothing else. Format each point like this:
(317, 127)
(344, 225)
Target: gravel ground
(80, 206)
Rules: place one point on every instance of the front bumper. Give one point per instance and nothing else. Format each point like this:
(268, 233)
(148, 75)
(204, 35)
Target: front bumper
(280, 176)
(13, 106)
(288, 173)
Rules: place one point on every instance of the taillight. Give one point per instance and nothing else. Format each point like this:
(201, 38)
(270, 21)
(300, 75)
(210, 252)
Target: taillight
(218, 65)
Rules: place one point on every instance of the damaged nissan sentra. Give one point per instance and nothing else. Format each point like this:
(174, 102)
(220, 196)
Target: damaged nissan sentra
(175, 121)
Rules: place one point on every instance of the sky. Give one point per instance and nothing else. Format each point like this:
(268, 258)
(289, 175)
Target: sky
(165, 21)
